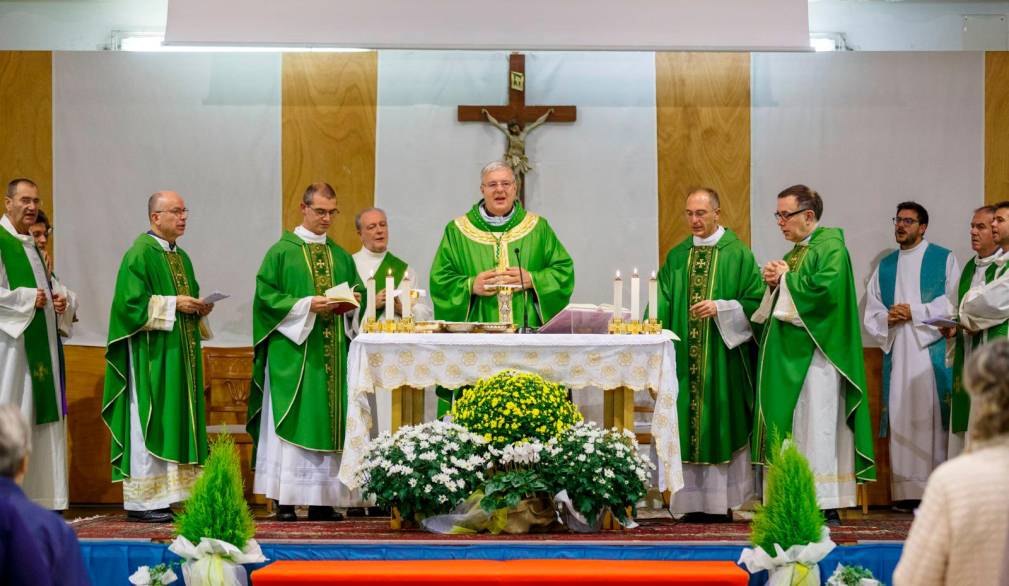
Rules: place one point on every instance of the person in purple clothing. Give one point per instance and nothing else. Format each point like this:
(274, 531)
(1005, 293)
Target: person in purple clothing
(36, 545)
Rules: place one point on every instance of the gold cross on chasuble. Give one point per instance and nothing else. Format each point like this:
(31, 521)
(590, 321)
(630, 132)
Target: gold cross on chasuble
(700, 279)
(320, 262)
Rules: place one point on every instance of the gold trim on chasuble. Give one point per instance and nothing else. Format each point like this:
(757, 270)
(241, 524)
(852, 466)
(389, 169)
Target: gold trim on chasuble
(189, 329)
(701, 268)
(320, 262)
(500, 244)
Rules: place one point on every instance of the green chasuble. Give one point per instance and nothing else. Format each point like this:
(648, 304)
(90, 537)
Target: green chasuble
(308, 382)
(822, 287)
(471, 246)
(167, 365)
(715, 403)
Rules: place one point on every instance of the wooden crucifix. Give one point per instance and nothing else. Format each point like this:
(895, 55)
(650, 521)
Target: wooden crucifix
(516, 120)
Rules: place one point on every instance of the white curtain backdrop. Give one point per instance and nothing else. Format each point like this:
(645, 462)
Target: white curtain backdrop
(594, 179)
(868, 131)
(205, 125)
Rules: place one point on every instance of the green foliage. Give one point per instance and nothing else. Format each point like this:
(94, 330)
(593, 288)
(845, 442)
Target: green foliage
(791, 515)
(217, 508)
(851, 576)
(507, 489)
(514, 407)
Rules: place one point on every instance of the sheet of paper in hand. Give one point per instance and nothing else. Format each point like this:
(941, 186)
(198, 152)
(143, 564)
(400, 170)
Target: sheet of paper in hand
(215, 297)
(941, 322)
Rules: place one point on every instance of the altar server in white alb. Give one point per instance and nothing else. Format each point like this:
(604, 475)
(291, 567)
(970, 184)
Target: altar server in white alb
(31, 374)
(911, 285)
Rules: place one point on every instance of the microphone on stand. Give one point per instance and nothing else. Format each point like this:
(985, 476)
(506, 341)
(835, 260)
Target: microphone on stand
(525, 329)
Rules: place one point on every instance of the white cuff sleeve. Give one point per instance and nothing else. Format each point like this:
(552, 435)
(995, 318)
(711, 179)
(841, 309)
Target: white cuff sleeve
(764, 310)
(784, 309)
(299, 322)
(732, 323)
(65, 320)
(17, 308)
(161, 313)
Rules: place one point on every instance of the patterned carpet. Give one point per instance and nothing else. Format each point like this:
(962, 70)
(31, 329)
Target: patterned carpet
(115, 526)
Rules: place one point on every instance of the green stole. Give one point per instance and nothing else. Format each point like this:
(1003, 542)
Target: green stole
(308, 382)
(393, 265)
(167, 365)
(932, 284)
(960, 399)
(822, 287)
(36, 335)
(715, 403)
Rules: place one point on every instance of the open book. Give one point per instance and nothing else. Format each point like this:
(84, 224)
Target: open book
(582, 318)
(344, 296)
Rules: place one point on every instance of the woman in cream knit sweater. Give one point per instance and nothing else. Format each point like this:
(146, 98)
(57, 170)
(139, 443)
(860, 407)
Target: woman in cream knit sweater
(960, 532)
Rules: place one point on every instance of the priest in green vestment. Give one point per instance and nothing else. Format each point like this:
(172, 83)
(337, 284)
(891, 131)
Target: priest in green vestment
(475, 275)
(153, 403)
(297, 410)
(377, 261)
(709, 287)
(810, 370)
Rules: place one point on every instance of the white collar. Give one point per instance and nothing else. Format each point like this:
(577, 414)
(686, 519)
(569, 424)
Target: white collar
(991, 258)
(917, 248)
(365, 253)
(495, 220)
(9, 226)
(710, 240)
(309, 236)
(168, 246)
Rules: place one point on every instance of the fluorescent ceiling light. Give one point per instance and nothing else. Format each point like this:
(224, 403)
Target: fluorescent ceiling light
(150, 43)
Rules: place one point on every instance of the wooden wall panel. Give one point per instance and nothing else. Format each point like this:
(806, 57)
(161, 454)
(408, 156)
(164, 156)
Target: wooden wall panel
(87, 437)
(996, 127)
(26, 120)
(879, 491)
(703, 126)
(328, 134)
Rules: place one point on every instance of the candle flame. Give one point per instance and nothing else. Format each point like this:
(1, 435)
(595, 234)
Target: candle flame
(371, 275)
(390, 272)
(618, 275)
(653, 275)
(635, 272)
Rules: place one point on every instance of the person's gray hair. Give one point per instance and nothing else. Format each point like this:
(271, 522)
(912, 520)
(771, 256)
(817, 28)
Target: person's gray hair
(319, 187)
(153, 201)
(15, 440)
(357, 218)
(986, 378)
(12, 187)
(713, 198)
(495, 166)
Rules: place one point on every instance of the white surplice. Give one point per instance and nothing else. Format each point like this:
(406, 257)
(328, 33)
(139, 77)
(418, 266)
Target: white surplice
(287, 473)
(918, 442)
(46, 481)
(716, 488)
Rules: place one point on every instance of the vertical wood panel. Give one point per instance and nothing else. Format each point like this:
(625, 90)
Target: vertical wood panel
(996, 127)
(879, 491)
(703, 108)
(26, 121)
(87, 437)
(328, 134)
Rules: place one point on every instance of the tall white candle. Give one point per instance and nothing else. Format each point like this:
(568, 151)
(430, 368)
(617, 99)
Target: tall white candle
(390, 306)
(635, 295)
(653, 297)
(405, 285)
(618, 296)
(370, 287)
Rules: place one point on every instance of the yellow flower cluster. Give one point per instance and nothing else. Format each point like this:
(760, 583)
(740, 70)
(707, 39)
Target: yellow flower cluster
(515, 406)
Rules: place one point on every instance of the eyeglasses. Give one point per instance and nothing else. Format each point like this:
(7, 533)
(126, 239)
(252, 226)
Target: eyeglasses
(325, 213)
(698, 214)
(174, 211)
(501, 184)
(786, 216)
(905, 221)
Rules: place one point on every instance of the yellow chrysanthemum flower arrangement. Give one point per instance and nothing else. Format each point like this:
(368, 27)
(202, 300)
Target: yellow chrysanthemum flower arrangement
(514, 407)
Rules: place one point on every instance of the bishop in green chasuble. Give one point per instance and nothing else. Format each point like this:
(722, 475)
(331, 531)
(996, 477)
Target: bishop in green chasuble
(153, 402)
(810, 370)
(475, 275)
(709, 286)
(297, 409)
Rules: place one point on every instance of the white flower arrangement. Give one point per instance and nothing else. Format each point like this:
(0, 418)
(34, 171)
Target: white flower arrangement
(159, 575)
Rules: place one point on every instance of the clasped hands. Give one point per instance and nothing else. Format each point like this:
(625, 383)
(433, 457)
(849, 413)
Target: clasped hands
(772, 272)
(510, 277)
(901, 312)
(59, 301)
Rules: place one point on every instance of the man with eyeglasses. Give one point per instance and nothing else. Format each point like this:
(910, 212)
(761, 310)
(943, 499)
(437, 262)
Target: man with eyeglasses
(297, 409)
(154, 403)
(811, 372)
(709, 287)
(911, 285)
(31, 365)
(40, 231)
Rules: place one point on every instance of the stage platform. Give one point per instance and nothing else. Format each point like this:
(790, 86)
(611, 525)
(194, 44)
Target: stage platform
(113, 547)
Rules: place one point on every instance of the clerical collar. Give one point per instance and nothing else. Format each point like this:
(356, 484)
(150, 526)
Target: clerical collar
(495, 220)
(309, 236)
(168, 246)
(710, 240)
(994, 257)
(917, 247)
(805, 241)
(9, 226)
(365, 253)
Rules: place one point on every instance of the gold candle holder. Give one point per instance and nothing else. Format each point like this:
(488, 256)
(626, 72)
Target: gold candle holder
(634, 327)
(653, 326)
(405, 325)
(371, 326)
(616, 326)
(388, 326)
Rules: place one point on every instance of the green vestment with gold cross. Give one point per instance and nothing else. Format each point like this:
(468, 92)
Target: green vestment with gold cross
(308, 381)
(167, 365)
(822, 287)
(470, 246)
(715, 403)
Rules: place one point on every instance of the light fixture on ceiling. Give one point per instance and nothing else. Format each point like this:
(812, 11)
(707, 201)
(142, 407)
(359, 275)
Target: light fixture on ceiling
(153, 42)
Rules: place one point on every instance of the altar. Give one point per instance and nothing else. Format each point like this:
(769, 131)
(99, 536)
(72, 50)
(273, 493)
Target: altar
(619, 365)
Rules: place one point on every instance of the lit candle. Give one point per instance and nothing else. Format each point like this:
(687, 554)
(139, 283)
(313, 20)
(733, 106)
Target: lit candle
(405, 285)
(370, 310)
(635, 295)
(653, 297)
(618, 296)
(390, 306)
